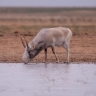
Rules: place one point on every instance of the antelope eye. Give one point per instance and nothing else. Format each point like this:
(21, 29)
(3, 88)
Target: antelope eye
(29, 52)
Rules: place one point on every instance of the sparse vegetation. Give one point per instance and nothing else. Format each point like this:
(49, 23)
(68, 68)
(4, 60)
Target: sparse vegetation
(80, 20)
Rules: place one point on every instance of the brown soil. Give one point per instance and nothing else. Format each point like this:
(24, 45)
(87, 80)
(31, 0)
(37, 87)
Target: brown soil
(82, 49)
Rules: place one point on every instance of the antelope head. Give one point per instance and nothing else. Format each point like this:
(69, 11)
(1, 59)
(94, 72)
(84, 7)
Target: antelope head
(29, 52)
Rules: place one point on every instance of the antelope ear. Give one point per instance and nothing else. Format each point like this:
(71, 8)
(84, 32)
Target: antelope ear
(32, 47)
(40, 42)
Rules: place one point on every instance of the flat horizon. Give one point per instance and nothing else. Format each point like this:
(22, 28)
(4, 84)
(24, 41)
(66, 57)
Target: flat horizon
(48, 3)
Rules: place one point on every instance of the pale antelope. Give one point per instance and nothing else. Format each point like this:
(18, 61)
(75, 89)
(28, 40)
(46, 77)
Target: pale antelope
(47, 37)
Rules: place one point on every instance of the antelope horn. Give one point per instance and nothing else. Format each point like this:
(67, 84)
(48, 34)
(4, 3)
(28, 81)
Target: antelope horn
(26, 42)
(22, 42)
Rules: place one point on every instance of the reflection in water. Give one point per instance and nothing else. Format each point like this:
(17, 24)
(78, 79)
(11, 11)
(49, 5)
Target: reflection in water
(47, 80)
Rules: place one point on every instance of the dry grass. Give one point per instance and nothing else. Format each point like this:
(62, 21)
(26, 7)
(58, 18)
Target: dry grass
(79, 20)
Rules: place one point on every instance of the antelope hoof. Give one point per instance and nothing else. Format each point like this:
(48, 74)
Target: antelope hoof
(45, 62)
(57, 61)
(66, 62)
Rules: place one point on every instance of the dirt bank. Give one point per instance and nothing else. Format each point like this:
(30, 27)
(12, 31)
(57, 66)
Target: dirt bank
(82, 49)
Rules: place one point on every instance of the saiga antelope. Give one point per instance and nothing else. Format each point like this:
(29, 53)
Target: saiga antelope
(47, 37)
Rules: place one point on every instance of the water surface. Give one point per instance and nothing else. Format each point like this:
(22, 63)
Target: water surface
(47, 80)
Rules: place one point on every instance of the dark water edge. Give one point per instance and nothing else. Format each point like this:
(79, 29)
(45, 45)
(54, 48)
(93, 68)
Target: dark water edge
(48, 63)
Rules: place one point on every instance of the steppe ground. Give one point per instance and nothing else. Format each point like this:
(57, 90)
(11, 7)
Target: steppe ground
(29, 21)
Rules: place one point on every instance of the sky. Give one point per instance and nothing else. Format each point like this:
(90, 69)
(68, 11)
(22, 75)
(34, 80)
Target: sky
(48, 3)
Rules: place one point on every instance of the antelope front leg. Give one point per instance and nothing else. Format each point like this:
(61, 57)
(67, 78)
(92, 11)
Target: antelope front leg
(55, 54)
